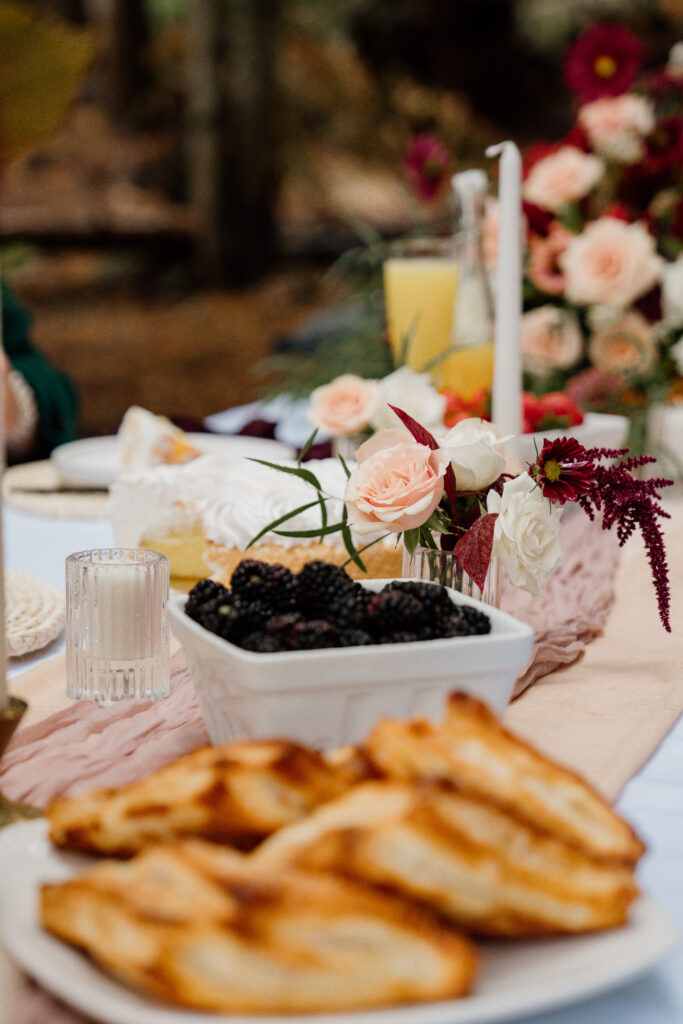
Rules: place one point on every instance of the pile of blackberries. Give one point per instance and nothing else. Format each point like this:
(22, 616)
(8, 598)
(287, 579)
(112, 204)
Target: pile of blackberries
(269, 609)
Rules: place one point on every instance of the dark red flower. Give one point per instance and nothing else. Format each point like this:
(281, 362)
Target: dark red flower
(538, 220)
(619, 211)
(427, 163)
(562, 470)
(603, 61)
(664, 147)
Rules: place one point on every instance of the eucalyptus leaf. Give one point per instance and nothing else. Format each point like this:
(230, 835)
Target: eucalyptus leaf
(304, 451)
(283, 519)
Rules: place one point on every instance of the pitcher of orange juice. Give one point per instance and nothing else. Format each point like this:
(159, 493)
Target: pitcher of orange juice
(438, 307)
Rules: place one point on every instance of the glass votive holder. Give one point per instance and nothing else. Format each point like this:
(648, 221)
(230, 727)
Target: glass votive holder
(116, 625)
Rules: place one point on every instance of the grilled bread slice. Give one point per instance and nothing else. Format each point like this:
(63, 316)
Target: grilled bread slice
(234, 794)
(473, 750)
(477, 865)
(202, 926)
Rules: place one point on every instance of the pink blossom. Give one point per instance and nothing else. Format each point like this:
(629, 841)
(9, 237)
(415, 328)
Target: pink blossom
(563, 177)
(610, 262)
(616, 126)
(544, 270)
(344, 406)
(551, 339)
(396, 485)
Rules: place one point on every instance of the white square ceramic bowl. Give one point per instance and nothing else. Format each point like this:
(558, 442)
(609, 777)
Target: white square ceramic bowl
(330, 697)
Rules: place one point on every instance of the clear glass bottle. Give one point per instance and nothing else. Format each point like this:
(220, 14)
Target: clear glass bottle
(471, 367)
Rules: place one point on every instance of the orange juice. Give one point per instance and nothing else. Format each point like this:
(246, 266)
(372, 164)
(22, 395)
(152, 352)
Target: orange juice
(420, 295)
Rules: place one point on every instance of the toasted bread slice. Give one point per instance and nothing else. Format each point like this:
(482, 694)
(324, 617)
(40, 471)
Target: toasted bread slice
(473, 750)
(234, 794)
(477, 865)
(202, 926)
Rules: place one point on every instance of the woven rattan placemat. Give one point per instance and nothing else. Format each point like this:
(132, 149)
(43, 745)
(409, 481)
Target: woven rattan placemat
(35, 612)
(36, 487)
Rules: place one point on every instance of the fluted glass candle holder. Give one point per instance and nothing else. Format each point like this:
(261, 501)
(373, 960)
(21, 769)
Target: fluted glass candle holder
(116, 625)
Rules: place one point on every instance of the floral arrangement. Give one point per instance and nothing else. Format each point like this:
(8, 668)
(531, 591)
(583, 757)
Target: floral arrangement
(353, 406)
(455, 495)
(603, 293)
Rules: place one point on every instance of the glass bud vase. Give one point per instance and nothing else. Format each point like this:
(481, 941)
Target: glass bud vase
(443, 567)
(346, 445)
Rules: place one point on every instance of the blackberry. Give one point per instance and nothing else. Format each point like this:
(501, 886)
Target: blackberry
(478, 621)
(392, 611)
(282, 625)
(433, 596)
(262, 643)
(251, 615)
(456, 625)
(274, 585)
(313, 634)
(355, 637)
(401, 637)
(324, 586)
(217, 615)
(203, 592)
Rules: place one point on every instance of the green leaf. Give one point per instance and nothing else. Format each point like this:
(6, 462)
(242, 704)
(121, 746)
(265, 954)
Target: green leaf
(426, 538)
(411, 539)
(303, 474)
(570, 216)
(344, 466)
(359, 551)
(407, 340)
(324, 532)
(306, 447)
(283, 519)
(444, 354)
(351, 547)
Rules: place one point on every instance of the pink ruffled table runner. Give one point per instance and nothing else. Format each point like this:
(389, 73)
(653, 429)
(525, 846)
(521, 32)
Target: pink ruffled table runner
(85, 746)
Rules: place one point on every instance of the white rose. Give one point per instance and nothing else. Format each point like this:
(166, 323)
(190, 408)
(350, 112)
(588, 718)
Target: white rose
(616, 125)
(526, 537)
(672, 292)
(414, 393)
(473, 449)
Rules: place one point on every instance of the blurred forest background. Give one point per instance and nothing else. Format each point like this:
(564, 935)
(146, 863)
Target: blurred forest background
(177, 176)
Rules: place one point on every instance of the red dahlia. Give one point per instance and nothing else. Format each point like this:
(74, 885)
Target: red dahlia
(562, 470)
(603, 61)
(428, 163)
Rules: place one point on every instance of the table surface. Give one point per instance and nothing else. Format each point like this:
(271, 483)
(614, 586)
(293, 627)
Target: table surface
(652, 801)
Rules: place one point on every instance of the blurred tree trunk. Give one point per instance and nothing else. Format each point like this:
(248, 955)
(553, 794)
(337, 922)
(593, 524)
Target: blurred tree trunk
(232, 136)
(127, 70)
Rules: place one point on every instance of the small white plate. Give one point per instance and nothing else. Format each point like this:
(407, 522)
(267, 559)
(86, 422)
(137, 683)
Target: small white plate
(517, 980)
(94, 461)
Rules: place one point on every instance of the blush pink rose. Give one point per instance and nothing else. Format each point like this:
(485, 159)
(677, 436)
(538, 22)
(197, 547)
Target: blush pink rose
(543, 268)
(616, 125)
(344, 406)
(551, 339)
(562, 177)
(610, 262)
(396, 486)
(626, 347)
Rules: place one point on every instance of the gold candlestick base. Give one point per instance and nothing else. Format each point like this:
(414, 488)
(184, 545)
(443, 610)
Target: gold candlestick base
(10, 717)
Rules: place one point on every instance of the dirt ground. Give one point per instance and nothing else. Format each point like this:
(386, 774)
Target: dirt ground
(182, 355)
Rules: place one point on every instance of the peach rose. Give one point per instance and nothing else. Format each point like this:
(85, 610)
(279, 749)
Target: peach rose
(344, 406)
(562, 177)
(610, 262)
(396, 485)
(625, 347)
(543, 268)
(616, 125)
(551, 339)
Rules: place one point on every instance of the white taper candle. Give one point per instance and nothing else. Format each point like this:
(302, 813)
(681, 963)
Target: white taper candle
(507, 368)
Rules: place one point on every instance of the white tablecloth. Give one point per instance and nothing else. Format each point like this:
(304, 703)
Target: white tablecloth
(652, 801)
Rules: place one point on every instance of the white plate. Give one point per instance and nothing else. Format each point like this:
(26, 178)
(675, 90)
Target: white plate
(94, 461)
(518, 979)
